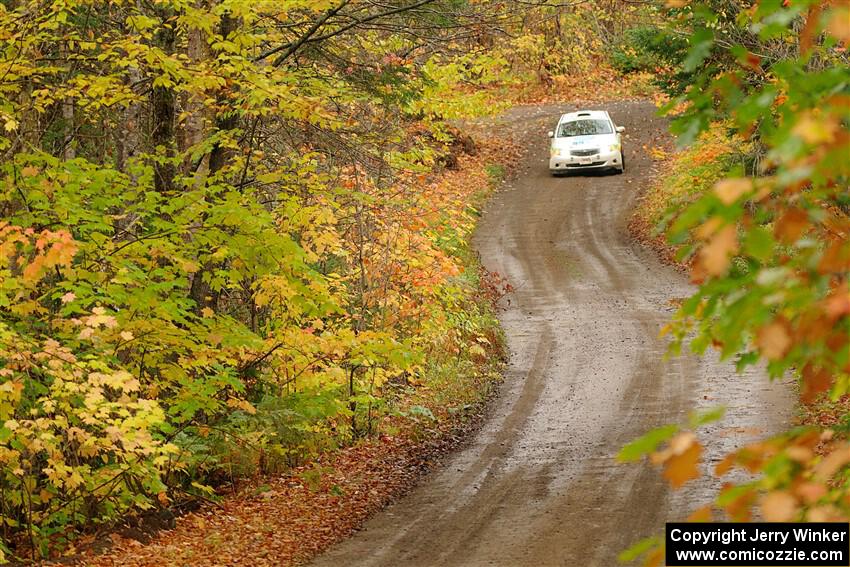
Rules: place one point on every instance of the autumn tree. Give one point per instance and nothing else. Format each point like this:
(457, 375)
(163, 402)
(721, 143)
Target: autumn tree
(768, 245)
(220, 250)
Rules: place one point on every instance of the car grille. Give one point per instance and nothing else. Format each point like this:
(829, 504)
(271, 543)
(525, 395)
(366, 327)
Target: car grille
(592, 164)
(583, 153)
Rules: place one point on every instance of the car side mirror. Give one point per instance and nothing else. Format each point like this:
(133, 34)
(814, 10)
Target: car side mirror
(621, 129)
(551, 134)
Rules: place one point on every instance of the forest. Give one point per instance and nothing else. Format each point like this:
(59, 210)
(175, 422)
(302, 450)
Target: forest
(235, 236)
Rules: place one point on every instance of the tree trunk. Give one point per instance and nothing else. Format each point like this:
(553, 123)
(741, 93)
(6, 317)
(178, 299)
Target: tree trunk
(201, 292)
(162, 132)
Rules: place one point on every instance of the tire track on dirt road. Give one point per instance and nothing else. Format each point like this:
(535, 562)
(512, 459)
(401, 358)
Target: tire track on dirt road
(538, 484)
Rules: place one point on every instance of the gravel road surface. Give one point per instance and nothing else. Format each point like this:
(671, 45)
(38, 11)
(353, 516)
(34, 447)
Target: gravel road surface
(538, 484)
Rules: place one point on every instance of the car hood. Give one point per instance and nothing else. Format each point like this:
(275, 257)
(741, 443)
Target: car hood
(579, 142)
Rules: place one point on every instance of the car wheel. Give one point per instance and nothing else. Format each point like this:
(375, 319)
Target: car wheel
(622, 162)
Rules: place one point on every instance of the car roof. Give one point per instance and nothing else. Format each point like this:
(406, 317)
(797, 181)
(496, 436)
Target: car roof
(584, 114)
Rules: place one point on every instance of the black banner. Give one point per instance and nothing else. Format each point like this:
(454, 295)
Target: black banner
(758, 544)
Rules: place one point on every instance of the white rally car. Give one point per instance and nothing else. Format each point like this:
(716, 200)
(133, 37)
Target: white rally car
(587, 139)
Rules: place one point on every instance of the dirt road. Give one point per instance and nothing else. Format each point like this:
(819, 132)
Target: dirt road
(538, 485)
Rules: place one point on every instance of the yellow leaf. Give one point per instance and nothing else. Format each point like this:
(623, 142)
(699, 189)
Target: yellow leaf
(69, 297)
(816, 129)
(74, 480)
(206, 312)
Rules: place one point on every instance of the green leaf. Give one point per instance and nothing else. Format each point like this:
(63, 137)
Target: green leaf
(639, 549)
(701, 43)
(698, 419)
(647, 443)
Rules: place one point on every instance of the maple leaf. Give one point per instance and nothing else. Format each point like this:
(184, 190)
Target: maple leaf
(831, 464)
(680, 459)
(702, 514)
(815, 381)
(779, 506)
(816, 130)
(774, 339)
(730, 190)
(791, 226)
(716, 255)
(810, 492)
(839, 24)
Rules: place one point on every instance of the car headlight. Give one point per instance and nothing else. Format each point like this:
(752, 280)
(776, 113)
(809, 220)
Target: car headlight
(614, 148)
(554, 152)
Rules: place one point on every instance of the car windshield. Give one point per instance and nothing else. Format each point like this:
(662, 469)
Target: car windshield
(584, 128)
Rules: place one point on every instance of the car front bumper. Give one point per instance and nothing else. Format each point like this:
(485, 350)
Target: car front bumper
(602, 160)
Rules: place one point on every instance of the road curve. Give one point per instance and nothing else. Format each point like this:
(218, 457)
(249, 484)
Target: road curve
(538, 484)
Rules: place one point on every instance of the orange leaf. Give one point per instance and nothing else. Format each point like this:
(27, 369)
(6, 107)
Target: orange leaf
(702, 514)
(30, 171)
(779, 506)
(799, 453)
(810, 492)
(826, 513)
(725, 465)
(730, 190)
(739, 508)
(716, 255)
(774, 339)
(831, 464)
(837, 303)
(836, 258)
(791, 226)
(655, 558)
(815, 381)
(839, 24)
(753, 61)
(683, 465)
(33, 269)
(810, 28)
